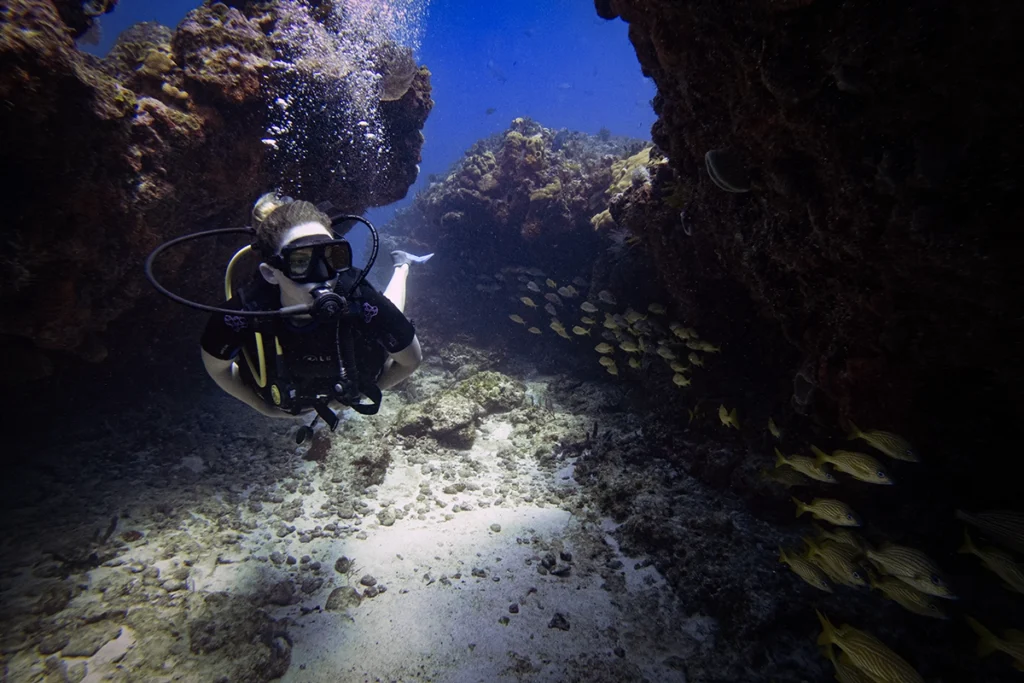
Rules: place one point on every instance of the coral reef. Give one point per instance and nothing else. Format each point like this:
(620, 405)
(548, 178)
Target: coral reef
(106, 158)
(882, 189)
(531, 191)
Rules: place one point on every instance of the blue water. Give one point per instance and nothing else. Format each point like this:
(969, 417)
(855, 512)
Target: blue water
(554, 61)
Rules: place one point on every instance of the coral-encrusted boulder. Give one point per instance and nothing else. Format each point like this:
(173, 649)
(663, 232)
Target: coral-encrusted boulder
(531, 191)
(451, 416)
(222, 52)
(495, 392)
(65, 128)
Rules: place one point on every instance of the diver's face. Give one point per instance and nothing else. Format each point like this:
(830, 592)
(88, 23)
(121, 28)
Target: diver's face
(295, 292)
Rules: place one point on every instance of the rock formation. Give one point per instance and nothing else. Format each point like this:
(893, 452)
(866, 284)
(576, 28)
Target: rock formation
(854, 167)
(107, 158)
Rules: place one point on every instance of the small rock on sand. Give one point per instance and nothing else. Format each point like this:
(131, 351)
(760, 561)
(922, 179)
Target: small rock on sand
(341, 599)
(282, 593)
(559, 621)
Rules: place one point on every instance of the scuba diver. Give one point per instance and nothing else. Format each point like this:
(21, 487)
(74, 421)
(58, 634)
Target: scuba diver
(350, 340)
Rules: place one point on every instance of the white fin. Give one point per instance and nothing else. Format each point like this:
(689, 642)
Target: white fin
(404, 258)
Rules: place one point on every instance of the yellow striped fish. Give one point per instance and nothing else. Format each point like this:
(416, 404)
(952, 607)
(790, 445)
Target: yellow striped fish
(842, 536)
(893, 445)
(868, 653)
(679, 380)
(846, 671)
(907, 597)
(805, 570)
(1012, 644)
(728, 418)
(858, 465)
(785, 476)
(804, 465)
(829, 510)
(912, 567)
(1005, 526)
(1002, 564)
(838, 561)
(705, 346)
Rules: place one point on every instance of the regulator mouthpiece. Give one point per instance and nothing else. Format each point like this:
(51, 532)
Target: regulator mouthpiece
(327, 304)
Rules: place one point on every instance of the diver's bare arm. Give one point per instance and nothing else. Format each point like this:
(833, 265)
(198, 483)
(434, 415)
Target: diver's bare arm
(225, 374)
(404, 364)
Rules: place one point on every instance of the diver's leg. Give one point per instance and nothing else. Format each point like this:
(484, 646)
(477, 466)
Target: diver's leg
(395, 292)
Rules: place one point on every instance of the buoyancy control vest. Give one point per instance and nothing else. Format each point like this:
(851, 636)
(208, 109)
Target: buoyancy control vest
(301, 367)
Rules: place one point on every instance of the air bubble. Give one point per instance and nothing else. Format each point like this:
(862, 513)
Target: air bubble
(325, 90)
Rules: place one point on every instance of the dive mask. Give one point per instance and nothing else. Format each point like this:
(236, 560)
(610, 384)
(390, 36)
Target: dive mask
(313, 259)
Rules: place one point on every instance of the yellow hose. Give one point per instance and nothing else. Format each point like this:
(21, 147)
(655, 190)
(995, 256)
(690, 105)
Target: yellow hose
(261, 375)
(231, 264)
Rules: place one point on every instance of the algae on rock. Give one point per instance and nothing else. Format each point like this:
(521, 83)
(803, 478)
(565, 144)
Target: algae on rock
(495, 392)
(451, 416)
(623, 170)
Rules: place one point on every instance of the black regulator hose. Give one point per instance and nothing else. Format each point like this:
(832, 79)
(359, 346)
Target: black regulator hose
(374, 248)
(288, 310)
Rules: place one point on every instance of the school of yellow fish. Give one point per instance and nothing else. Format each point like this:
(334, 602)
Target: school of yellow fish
(642, 339)
(833, 555)
(837, 556)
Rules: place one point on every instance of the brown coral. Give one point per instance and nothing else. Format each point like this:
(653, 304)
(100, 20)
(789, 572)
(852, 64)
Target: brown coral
(222, 52)
(397, 69)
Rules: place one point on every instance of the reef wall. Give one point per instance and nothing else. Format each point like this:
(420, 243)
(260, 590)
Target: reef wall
(105, 158)
(870, 158)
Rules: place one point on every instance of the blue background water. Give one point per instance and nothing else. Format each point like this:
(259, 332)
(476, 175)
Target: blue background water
(554, 61)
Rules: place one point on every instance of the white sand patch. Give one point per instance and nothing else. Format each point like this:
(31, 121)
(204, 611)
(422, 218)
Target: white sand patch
(423, 627)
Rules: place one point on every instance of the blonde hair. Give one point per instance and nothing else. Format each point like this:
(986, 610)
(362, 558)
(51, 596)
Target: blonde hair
(265, 205)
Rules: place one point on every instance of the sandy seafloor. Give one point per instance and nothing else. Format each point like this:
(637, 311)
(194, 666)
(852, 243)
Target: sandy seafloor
(237, 556)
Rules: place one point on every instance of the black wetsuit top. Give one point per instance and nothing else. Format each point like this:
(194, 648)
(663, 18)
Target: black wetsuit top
(310, 350)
